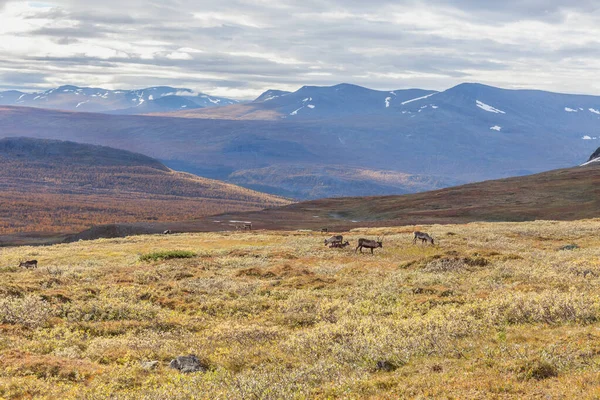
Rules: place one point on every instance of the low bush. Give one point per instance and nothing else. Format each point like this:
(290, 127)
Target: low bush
(29, 311)
(167, 255)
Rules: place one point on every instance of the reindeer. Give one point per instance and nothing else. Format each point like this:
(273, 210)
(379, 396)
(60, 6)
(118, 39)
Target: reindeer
(369, 244)
(339, 245)
(424, 237)
(334, 240)
(167, 232)
(28, 264)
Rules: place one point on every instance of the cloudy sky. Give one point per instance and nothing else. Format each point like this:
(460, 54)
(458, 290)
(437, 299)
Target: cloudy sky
(239, 48)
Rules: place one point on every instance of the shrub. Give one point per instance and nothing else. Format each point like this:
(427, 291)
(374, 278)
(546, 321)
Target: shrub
(29, 311)
(538, 370)
(167, 255)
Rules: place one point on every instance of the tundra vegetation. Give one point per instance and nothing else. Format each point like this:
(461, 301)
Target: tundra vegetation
(497, 310)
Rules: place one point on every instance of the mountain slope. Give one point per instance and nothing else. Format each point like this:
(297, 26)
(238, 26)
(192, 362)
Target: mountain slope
(565, 194)
(153, 99)
(49, 185)
(594, 158)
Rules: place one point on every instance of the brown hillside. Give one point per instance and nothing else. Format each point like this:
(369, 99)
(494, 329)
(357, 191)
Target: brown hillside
(566, 194)
(233, 112)
(59, 186)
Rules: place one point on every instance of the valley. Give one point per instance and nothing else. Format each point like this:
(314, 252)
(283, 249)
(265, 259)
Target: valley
(352, 143)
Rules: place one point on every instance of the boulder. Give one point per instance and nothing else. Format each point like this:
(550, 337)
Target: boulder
(149, 364)
(188, 364)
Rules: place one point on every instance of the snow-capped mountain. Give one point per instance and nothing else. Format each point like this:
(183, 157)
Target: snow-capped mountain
(270, 95)
(310, 102)
(153, 99)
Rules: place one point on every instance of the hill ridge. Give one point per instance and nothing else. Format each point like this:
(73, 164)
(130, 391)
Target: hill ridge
(58, 186)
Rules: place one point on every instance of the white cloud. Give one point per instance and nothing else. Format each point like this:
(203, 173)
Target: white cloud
(247, 47)
(178, 55)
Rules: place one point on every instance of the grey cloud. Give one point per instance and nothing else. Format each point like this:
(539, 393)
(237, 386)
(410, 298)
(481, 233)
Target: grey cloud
(66, 40)
(79, 32)
(349, 40)
(22, 80)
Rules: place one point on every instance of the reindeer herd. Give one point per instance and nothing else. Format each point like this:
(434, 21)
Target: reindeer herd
(334, 242)
(337, 241)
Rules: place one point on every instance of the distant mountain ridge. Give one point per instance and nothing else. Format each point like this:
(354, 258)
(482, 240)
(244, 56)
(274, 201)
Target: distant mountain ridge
(142, 101)
(316, 102)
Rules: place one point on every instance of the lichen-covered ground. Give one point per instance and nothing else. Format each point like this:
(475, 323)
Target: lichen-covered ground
(497, 310)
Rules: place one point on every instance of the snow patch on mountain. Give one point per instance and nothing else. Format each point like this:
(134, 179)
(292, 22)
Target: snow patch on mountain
(496, 128)
(595, 160)
(567, 109)
(488, 108)
(387, 102)
(593, 110)
(418, 98)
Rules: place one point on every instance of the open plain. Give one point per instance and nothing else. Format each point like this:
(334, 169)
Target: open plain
(496, 310)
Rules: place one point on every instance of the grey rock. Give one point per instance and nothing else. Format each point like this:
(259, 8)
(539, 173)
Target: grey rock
(149, 364)
(188, 364)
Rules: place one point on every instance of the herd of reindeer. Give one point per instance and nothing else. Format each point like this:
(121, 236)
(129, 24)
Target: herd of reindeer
(337, 241)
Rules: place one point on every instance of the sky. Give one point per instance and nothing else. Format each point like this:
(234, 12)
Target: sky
(240, 48)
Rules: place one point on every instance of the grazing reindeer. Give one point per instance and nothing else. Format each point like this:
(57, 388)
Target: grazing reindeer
(167, 232)
(369, 244)
(339, 245)
(28, 264)
(324, 230)
(424, 237)
(334, 240)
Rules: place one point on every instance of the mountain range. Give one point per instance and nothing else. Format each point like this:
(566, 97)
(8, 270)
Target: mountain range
(346, 140)
(316, 102)
(142, 101)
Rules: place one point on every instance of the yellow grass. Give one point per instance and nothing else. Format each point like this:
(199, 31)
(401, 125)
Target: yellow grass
(495, 311)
